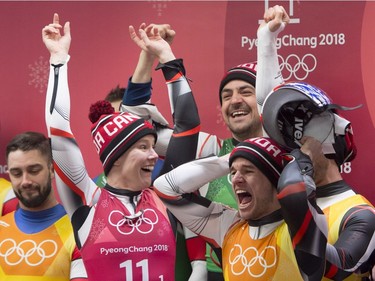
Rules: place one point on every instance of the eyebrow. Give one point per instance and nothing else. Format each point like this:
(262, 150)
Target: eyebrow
(246, 86)
(239, 88)
(27, 167)
(249, 165)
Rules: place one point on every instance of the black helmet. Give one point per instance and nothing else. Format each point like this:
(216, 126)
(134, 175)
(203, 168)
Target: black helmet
(295, 109)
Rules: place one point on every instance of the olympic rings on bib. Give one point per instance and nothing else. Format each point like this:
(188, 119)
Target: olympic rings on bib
(251, 258)
(29, 251)
(143, 221)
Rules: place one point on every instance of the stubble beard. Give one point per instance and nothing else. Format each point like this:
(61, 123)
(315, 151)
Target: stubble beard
(250, 130)
(37, 200)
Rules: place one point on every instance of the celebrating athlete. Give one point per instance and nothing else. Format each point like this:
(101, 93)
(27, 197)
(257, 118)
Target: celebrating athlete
(296, 111)
(277, 232)
(123, 229)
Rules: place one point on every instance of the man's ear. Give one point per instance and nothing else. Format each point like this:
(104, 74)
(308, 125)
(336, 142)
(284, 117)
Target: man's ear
(52, 171)
(116, 163)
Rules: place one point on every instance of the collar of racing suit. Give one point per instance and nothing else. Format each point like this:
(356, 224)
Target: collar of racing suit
(271, 218)
(333, 188)
(119, 191)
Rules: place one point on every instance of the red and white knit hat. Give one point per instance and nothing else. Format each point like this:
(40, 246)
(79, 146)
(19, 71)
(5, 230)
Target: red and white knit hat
(114, 132)
(264, 153)
(246, 72)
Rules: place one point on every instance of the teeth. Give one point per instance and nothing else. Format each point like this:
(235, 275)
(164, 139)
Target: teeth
(149, 168)
(240, 191)
(234, 114)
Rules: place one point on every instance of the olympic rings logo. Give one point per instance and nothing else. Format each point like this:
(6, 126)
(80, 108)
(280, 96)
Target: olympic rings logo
(143, 221)
(250, 257)
(27, 250)
(299, 68)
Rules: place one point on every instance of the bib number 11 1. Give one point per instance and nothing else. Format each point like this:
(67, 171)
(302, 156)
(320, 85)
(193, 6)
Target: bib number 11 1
(143, 264)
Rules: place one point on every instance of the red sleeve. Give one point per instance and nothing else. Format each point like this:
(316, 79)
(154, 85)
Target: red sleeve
(9, 206)
(196, 248)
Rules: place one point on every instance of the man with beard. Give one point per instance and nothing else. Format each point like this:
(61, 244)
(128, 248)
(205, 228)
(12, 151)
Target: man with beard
(37, 240)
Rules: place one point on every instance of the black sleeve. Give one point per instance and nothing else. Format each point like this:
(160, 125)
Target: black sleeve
(78, 218)
(355, 245)
(183, 144)
(306, 221)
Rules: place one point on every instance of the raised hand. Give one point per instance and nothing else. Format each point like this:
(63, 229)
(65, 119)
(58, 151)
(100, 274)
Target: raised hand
(150, 41)
(275, 16)
(165, 31)
(57, 44)
(313, 148)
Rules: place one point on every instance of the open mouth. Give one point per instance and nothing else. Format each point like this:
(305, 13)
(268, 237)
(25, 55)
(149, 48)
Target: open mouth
(147, 169)
(238, 113)
(244, 198)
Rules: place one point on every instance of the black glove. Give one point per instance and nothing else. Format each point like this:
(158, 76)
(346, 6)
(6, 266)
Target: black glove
(303, 161)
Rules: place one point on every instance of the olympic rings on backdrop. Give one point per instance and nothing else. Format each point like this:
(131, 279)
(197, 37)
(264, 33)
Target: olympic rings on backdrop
(299, 68)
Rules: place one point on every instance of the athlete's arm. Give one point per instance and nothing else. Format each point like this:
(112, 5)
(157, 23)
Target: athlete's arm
(209, 219)
(306, 222)
(77, 267)
(8, 200)
(268, 69)
(355, 244)
(184, 140)
(74, 185)
(182, 148)
(137, 98)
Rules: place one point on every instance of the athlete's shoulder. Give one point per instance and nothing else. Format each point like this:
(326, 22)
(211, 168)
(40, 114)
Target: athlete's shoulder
(208, 144)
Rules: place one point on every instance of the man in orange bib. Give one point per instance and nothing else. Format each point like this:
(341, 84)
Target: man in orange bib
(36, 240)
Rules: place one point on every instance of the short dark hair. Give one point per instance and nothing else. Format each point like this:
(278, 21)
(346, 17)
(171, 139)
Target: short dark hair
(30, 141)
(116, 94)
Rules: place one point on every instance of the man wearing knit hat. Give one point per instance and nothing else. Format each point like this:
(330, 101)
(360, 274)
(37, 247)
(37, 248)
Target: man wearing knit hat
(240, 114)
(123, 230)
(277, 233)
